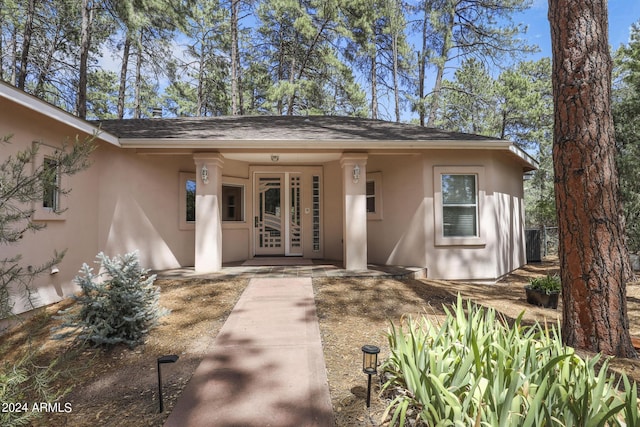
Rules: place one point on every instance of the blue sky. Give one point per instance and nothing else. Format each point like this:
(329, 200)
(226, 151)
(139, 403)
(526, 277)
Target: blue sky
(622, 13)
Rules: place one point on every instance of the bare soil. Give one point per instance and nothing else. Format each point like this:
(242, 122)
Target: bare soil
(119, 387)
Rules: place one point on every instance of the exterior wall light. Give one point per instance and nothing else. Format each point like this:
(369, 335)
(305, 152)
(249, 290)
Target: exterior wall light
(172, 358)
(54, 270)
(356, 174)
(369, 365)
(275, 157)
(204, 174)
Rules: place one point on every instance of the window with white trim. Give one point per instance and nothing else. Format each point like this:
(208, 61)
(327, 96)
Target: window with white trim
(52, 206)
(458, 193)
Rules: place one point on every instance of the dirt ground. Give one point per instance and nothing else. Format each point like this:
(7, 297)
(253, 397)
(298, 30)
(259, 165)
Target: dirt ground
(118, 387)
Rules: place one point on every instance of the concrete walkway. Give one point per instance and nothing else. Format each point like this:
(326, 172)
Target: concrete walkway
(265, 367)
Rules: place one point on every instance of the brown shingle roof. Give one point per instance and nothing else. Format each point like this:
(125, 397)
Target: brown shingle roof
(278, 128)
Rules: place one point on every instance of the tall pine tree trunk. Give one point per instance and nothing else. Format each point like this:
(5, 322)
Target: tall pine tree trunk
(594, 262)
(123, 75)
(137, 108)
(396, 84)
(85, 44)
(374, 87)
(280, 71)
(292, 96)
(200, 104)
(26, 44)
(14, 54)
(422, 65)
(235, 66)
(442, 61)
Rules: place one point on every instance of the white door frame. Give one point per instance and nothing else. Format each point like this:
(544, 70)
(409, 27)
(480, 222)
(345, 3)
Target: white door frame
(311, 242)
(285, 214)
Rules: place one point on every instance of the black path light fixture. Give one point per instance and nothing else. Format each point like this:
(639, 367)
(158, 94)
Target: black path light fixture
(172, 358)
(369, 365)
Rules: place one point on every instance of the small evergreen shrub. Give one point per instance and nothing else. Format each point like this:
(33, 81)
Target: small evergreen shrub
(118, 305)
(476, 370)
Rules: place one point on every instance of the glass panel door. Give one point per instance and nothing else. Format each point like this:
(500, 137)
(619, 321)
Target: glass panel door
(295, 217)
(268, 220)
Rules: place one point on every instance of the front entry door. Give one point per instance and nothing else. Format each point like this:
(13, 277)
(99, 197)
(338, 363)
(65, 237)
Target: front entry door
(277, 220)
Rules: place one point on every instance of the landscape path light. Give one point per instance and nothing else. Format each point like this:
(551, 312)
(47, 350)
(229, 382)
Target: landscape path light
(369, 365)
(172, 358)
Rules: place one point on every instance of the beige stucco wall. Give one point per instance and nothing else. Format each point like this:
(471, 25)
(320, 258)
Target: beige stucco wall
(406, 234)
(332, 210)
(77, 232)
(399, 237)
(501, 212)
(509, 216)
(139, 207)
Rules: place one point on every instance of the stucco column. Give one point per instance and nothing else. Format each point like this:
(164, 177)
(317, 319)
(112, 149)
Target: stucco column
(354, 211)
(208, 212)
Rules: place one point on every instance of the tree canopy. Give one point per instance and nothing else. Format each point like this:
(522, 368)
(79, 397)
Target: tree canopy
(137, 58)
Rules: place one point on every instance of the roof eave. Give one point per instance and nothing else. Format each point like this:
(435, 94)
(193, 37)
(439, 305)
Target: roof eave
(338, 144)
(528, 162)
(32, 103)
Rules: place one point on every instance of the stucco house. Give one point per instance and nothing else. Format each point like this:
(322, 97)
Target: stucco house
(353, 190)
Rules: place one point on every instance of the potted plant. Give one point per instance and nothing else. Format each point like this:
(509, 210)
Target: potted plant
(544, 291)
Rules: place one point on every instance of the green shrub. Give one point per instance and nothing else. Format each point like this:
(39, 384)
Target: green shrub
(548, 284)
(118, 305)
(475, 369)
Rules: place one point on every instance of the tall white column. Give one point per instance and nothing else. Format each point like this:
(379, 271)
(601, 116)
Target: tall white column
(354, 224)
(208, 212)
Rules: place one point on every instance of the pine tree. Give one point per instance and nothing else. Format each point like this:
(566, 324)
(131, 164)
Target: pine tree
(463, 29)
(626, 114)
(594, 262)
(469, 102)
(116, 306)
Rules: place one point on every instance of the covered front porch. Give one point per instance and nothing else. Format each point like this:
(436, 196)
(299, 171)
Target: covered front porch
(295, 267)
(279, 209)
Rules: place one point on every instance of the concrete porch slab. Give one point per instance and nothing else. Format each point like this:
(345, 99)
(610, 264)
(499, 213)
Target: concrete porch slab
(317, 268)
(279, 261)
